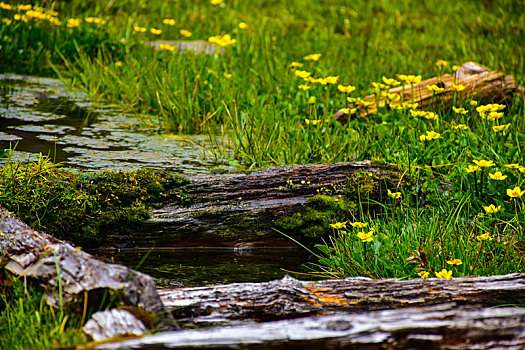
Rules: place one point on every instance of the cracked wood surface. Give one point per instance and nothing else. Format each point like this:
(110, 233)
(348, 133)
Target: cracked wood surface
(480, 84)
(290, 298)
(442, 326)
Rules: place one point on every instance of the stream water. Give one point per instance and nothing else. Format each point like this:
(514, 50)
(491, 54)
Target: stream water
(40, 115)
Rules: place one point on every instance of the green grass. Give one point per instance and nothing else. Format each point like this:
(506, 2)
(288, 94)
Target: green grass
(27, 322)
(249, 102)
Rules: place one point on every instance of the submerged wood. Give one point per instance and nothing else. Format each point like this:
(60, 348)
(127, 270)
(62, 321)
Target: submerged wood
(242, 206)
(443, 326)
(290, 298)
(480, 83)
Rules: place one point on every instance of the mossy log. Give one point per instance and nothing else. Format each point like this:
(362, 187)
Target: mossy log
(290, 298)
(435, 327)
(243, 207)
(480, 83)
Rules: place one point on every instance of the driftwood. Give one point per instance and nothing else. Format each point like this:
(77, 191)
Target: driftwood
(39, 257)
(291, 298)
(444, 326)
(242, 206)
(480, 84)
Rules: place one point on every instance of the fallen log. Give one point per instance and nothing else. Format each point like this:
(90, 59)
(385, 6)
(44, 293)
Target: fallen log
(84, 281)
(242, 207)
(290, 298)
(480, 84)
(444, 326)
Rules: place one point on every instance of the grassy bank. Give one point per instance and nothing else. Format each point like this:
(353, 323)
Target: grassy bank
(287, 67)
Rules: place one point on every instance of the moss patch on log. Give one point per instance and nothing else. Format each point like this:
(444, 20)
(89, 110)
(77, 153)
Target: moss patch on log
(85, 208)
(361, 195)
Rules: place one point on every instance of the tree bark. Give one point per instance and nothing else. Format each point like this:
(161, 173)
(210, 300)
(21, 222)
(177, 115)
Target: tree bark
(444, 326)
(290, 298)
(480, 84)
(242, 207)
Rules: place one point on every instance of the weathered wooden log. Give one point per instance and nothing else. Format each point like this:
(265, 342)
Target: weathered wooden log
(444, 326)
(83, 279)
(290, 298)
(241, 207)
(480, 84)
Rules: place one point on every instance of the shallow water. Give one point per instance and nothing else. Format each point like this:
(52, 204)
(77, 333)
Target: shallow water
(41, 115)
(185, 267)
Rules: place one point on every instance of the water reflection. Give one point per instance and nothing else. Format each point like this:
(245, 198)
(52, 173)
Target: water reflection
(43, 116)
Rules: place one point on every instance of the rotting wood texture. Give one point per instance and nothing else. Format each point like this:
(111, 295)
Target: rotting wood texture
(242, 206)
(443, 326)
(480, 84)
(290, 298)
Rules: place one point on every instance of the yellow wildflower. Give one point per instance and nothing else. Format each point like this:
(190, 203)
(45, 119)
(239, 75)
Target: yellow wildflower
(473, 103)
(73, 22)
(391, 81)
(498, 128)
(423, 274)
(349, 110)
(515, 193)
(484, 237)
(346, 89)
(222, 41)
(118, 64)
(155, 31)
(331, 79)
(167, 47)
(484, 163)
(185, 33)
(395, 195)
(494, 115)
(455, 262)
(302, 74)
(460, 127)
(296, 65)
(358, 224)
(92, 20)
(497, 176)
(444, 274)
(455, 67)
(393, 97)
(227, 75)
(311, 99)
(169, 21)
(313, 57)
(304, 87)
(410, 79)
(339, 225)
(458, 87)
(417, 113)
(379, 86)
(431, 135)
(512, 166)
(313, 121)
(441, 63)
(366, 236)
(24, 7)
(521, 168)
(435, 88)
(491, 209)
(139, 29)
(431, 116)
(5, 6)
(472, 168)
(216, 2)
(459, 110)
(243, 25)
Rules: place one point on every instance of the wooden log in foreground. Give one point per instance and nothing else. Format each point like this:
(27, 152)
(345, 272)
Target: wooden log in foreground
(480, 84)
(444, 326)
(290, 298)
(241, 207)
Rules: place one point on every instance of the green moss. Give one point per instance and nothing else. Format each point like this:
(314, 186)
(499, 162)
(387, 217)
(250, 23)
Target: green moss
(85, 208)
(339, 204)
